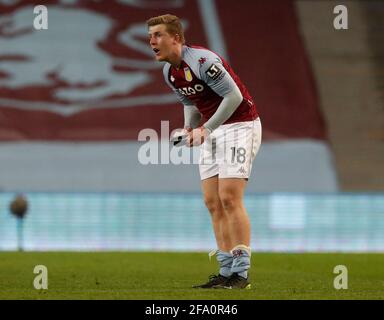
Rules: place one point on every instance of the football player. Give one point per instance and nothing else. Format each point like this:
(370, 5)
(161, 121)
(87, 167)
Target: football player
(221, 116)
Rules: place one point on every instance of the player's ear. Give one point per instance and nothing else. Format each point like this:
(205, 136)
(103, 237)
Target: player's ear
(177, 37)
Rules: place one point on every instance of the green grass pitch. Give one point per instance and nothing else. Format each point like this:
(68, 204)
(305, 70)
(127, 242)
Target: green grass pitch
(151, 276)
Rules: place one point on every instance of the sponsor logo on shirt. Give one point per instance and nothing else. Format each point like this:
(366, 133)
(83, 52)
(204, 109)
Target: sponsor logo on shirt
(188, 91)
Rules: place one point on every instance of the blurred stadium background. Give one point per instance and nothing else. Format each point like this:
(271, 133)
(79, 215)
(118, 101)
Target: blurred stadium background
(74, 98)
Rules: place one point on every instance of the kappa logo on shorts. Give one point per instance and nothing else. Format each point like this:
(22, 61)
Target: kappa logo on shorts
(241, 170)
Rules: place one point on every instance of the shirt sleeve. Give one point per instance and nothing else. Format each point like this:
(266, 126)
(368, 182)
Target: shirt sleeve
(226, 108)
(219, 80)
(192, 116)
(213, 73)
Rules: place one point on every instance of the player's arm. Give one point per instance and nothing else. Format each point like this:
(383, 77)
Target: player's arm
(192, 117)
(220, 81)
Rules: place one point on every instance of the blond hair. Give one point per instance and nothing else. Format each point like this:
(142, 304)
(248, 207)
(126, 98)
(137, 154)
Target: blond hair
(171, 22)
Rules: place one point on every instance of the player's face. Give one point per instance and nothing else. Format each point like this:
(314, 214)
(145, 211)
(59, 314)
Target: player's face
(162, 43)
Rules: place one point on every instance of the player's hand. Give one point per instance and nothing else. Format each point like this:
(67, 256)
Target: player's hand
(197, 136)
(187, 129)
(179, 136)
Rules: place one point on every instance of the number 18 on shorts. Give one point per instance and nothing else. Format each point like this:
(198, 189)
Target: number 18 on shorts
(230, 150)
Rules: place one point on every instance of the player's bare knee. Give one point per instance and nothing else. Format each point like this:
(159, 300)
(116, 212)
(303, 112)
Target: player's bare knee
(213, 205)
(229, 202)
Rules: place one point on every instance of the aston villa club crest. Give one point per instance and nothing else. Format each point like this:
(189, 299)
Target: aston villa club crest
(188, 74)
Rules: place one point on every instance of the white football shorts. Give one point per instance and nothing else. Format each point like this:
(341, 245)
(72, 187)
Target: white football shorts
(230, 150)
